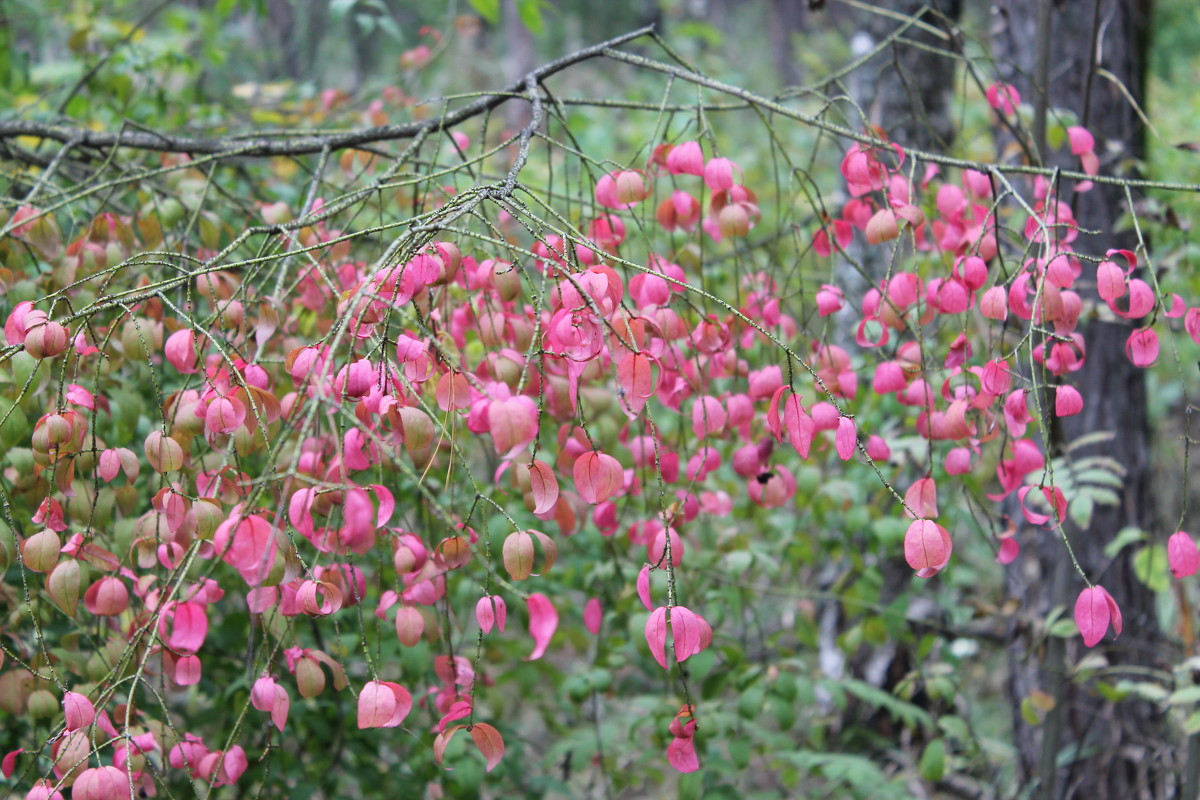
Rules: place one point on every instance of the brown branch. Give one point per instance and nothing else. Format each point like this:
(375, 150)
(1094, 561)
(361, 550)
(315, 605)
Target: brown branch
(257, 145)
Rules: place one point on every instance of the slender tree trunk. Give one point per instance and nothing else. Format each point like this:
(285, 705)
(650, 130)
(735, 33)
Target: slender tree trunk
(1088, 747)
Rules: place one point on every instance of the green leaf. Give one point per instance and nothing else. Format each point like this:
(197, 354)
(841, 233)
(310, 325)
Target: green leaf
(1150, 566)
(488, 9)
(1192, 724)
(908, 713)
(1055, 136)
(530, 12)
(1124, 538)
(339, 8)
(933, 760)
(1185, 696)
(1153, 692)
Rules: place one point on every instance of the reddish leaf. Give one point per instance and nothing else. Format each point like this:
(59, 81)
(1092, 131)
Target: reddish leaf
(544, 487)
(543, 621)
(1092, 614)
(9, 763)
(383, 704)
(681, 754)
(598, 476)
(489, 742)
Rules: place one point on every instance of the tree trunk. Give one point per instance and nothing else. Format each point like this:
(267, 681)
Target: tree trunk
(1088, 747)
(904, 89)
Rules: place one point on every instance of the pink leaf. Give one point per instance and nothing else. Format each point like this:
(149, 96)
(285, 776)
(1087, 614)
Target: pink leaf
(681, 754)
(927, 547)
(225, 415)
(544, 487)
(1182, 554)
(708, 417)
(1093, 611)
(656, 635)
(592, 615)
(489, 611)
(690, 633)
(845, 438)
(543, 621)
(921, 497)
(598, 476)
(1067, 401)
(79, 711)
(1142, 347)
(383, 704)
(187, 671)
(643, 587)
(1009, 550)
(9, 763)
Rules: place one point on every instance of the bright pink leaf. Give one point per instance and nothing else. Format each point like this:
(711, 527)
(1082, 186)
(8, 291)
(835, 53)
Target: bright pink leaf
(1009, 550)
(1182, 554)
(1094, 610)
(1142, 347)
(656, 635)
(643, 586)
(543, 622)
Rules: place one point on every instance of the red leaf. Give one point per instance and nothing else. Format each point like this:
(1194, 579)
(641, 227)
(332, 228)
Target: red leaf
(489, 742)
(10, 762)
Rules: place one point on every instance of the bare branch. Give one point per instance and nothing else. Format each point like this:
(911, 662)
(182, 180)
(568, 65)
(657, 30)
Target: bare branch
(258, 145)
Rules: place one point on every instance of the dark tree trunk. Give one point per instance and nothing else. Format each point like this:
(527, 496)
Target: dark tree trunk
(1102, 749)
(904, 89)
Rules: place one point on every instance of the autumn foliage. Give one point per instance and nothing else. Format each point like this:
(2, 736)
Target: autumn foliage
(341, 445)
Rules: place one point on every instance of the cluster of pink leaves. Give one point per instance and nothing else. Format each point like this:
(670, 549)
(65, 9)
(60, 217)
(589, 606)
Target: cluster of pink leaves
(982, 402)
(602, 332)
